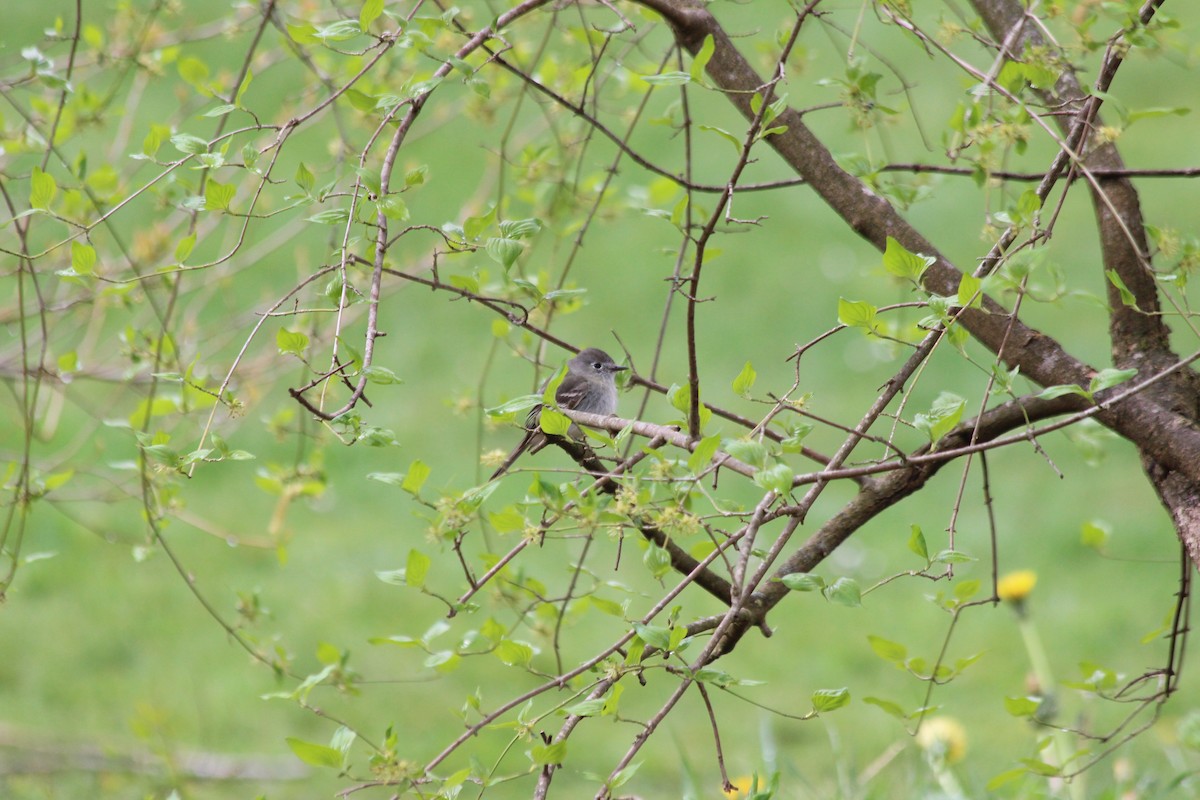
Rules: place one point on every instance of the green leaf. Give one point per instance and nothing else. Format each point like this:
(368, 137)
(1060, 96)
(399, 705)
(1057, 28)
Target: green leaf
(331, 216)
(622, 776)
(1028, 205)
(381, 376)
(1095, 534)
(844, 591)
(1108, 378)
(520, 228)
(830, 699)
(777, 478)
(42, 189)
(195, 72)
(291, 342)
(303, 34)
(547, 754)
(416, 568)
(186, 143)
(904, 264)
(696, 73)
(154, 139)
(1127, 297)
(468, 283)
(474, 226)
(514, 406)
(418, 472)
(1008, 776)
(654, 635)
(417, 175)
(969, 294)
(317, 755)
(504, 251)
(1051, 392)
(586, 708)
(218, 195)
(965, 590)
(744, 380)
(83, 258)
(304, 178)
(706, 448)
(514, 653)
(371, 10)
(751, 451)
(1021, 706)
(803, 582)
(888, 650)
(509, 520)
(657, 560)
(237, 98)
(944, 414)
(916, 542)
(185, 247)
(887, 706)
(220, 111)
(553, 422)
(667, 78)
(1038, 767)
(394, 207)
(1150, 113)
(724, 134)
(856, 313)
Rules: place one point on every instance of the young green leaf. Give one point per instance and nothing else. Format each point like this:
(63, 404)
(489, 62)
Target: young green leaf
(856, 313)
(414, 479)
(185, 247)
(318, 755)
(554, 422)
(416, 568)
(83, 258)
(888, 650)
(706, 448)
(744, 380)
(1108, 378)
(291, 342)
(371, 10)
(844, 591)
(702, 57)
(904, 264)
(944, 414)
(304, 178)
(916, 542)
(546, 754)
(42, 189)
(504, 251)
(803, 582)
(824, 700)
(969, 294)
(217, 196)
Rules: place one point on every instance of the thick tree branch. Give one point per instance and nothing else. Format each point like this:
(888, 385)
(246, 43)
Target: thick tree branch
(1173, 438)
(1139, 335)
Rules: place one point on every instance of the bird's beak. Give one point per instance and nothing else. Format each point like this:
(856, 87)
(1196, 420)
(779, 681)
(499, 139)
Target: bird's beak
(616, 368)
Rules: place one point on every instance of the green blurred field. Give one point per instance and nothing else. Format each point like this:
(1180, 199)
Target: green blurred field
(106, 646)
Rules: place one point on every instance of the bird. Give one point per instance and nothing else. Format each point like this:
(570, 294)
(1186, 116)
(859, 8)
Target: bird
(589, 386)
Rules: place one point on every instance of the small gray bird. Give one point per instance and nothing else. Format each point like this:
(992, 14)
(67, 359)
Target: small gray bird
(589, 385)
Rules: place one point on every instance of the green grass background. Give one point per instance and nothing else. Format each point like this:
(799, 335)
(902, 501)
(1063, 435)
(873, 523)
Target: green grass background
(105, 648)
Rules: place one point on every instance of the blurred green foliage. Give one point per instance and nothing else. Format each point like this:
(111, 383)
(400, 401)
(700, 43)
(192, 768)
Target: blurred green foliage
(198, 547)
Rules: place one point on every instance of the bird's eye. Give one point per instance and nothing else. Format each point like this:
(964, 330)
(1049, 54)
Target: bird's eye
(596, 365)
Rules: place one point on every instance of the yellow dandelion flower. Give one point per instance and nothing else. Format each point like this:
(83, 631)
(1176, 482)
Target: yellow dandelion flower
(741, 787)
(1016, 586)
(944, 737)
